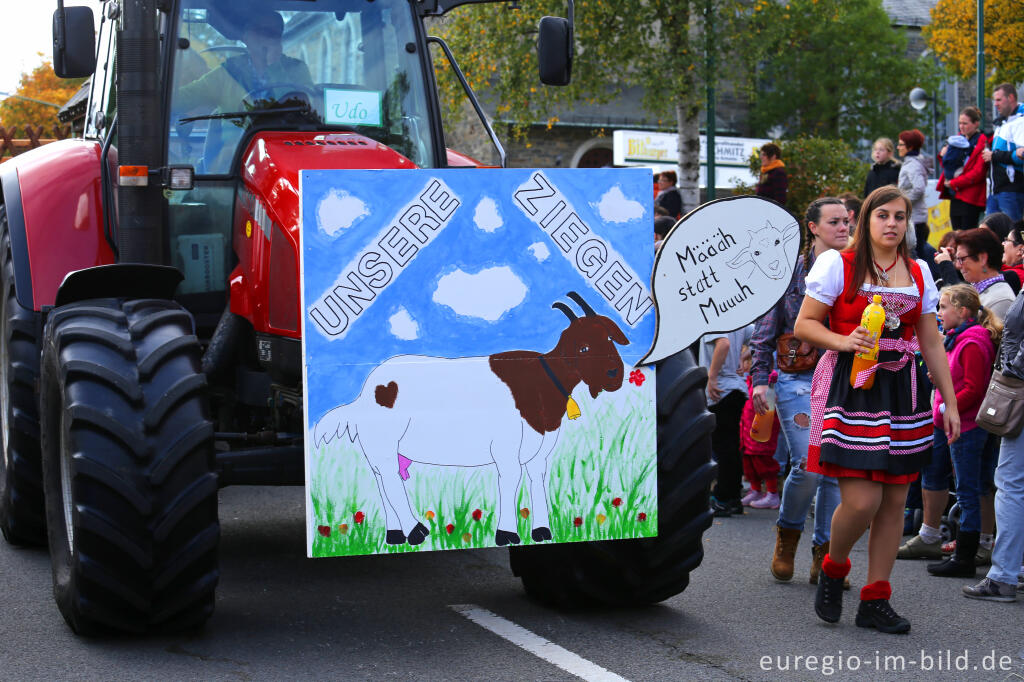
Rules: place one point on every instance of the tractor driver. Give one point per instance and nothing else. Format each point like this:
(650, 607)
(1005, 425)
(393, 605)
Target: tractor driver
(263, 72)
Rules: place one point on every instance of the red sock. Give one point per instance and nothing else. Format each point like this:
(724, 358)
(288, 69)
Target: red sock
(834, 569)
(876, 590)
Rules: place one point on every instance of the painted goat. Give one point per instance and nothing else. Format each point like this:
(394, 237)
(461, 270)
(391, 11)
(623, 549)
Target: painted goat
(504, 410)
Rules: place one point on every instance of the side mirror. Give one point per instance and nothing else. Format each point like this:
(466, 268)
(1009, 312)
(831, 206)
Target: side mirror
(74, 48)
(555, 49)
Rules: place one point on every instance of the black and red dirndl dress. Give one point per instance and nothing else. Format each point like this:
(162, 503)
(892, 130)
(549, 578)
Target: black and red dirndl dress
(882, 434)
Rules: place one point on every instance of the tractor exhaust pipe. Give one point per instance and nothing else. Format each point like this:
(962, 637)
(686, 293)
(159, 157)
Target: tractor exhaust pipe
(140, 233)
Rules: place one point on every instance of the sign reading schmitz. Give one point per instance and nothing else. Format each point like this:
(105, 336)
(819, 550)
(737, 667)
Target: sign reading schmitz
(469, 342)
(720, 268)
(638, 147)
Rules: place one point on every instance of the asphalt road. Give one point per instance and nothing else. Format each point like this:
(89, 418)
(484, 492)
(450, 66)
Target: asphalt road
(281, 616)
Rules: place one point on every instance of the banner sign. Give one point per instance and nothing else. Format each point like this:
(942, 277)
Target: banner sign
(469, 342)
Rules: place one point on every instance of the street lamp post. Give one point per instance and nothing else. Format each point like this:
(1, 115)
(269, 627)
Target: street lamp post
(981, 60)
(919, 99)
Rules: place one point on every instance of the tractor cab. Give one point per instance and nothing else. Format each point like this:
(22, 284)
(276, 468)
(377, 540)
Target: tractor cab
(337, 65)
(350, 72)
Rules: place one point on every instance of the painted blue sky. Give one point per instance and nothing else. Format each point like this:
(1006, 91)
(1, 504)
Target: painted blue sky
(501, 271)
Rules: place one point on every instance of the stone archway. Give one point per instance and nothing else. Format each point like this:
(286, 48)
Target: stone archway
(595, 153)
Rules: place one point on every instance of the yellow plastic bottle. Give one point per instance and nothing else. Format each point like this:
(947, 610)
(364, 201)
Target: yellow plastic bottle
(872, 319)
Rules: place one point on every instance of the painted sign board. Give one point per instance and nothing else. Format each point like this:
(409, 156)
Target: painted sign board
(469, 342)
(659, 152)
(721, 267)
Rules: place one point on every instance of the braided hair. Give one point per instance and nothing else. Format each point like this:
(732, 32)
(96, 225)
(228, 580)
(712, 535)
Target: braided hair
(813, 215)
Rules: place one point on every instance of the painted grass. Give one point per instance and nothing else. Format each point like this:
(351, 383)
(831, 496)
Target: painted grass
(603, 480)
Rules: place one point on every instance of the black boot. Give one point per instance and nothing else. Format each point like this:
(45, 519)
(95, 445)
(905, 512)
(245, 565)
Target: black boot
(828, 600)
(961, 563)
(877, 613)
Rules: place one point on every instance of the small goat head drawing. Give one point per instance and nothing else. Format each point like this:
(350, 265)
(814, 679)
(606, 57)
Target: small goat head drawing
(766, 249)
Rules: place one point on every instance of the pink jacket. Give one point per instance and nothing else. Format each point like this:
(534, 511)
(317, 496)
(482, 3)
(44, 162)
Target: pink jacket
(973, 335)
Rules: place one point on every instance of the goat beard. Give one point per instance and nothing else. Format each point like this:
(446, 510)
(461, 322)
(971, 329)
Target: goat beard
(594, 390)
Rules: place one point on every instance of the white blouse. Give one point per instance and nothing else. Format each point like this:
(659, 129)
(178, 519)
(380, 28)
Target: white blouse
(825, 282)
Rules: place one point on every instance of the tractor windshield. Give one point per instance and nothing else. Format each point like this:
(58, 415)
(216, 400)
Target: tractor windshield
(284, 64)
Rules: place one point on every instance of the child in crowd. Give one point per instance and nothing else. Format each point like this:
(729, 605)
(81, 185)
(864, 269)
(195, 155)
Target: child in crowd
(726, 393)
(760, 467)
(972, 335)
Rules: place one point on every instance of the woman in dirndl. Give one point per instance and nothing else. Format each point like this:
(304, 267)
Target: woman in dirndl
(874, 440)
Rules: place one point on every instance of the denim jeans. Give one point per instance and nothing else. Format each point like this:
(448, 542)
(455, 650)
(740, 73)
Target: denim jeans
(973, 465)
(794, 398)
(1009, 547)
(1010, 203)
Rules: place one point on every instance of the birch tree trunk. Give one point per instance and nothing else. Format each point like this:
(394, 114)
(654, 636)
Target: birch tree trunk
(687, 103)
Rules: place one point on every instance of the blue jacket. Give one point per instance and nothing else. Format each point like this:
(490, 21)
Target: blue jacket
(1007, 167)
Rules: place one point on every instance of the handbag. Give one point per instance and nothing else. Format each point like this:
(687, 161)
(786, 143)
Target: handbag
(794, 355)
(1002, 410)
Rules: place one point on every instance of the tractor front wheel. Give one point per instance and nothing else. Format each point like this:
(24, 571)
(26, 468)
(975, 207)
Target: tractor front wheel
(649, 570)
(127, 454)
(21, 479)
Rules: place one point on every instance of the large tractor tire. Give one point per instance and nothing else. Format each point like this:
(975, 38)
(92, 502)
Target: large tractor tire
(642, 571)
(127, 452)
(21, 478)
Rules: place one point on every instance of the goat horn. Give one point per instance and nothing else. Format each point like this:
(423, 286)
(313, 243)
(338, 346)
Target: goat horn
(565, 309)
(584, 306)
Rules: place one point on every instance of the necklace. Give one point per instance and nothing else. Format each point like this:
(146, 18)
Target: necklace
(883, 273)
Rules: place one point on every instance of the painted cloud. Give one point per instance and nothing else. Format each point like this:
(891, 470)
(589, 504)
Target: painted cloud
(486, 216)
(403, 326)
(539, 250)
(614, 207)
(338, 211)
(488, 294)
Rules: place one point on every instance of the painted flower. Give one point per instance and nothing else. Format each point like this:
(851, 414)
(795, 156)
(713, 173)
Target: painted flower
(578, 521)
(450, 528)
(343, 528)
(617, 502)
(324, 530)
(641, 517)
(430, 515)
(637, 377)
(601, 518)
(477, 514)
(359, 517)
(466, 537)
(524, 512)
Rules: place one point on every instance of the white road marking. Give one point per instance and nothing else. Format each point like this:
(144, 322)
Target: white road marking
(536, 645)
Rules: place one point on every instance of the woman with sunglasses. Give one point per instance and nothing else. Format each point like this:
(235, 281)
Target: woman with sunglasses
(1013, 256)
(979, 257)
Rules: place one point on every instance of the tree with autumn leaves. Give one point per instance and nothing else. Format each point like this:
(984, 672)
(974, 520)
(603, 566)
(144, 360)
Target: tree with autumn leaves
(832, 68)
(952, 36)
(656, 43)
(39, 84)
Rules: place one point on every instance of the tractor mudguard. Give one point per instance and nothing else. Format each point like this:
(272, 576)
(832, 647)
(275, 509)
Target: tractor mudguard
(55, 217)
(120, 280)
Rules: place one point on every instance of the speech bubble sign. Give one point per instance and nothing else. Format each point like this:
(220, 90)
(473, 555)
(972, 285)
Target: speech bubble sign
(721, 267)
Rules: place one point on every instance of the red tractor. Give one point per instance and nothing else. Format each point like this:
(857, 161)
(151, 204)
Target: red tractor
(150, 350)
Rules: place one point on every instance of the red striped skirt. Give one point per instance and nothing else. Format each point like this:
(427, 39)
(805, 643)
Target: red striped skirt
(882, 434)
